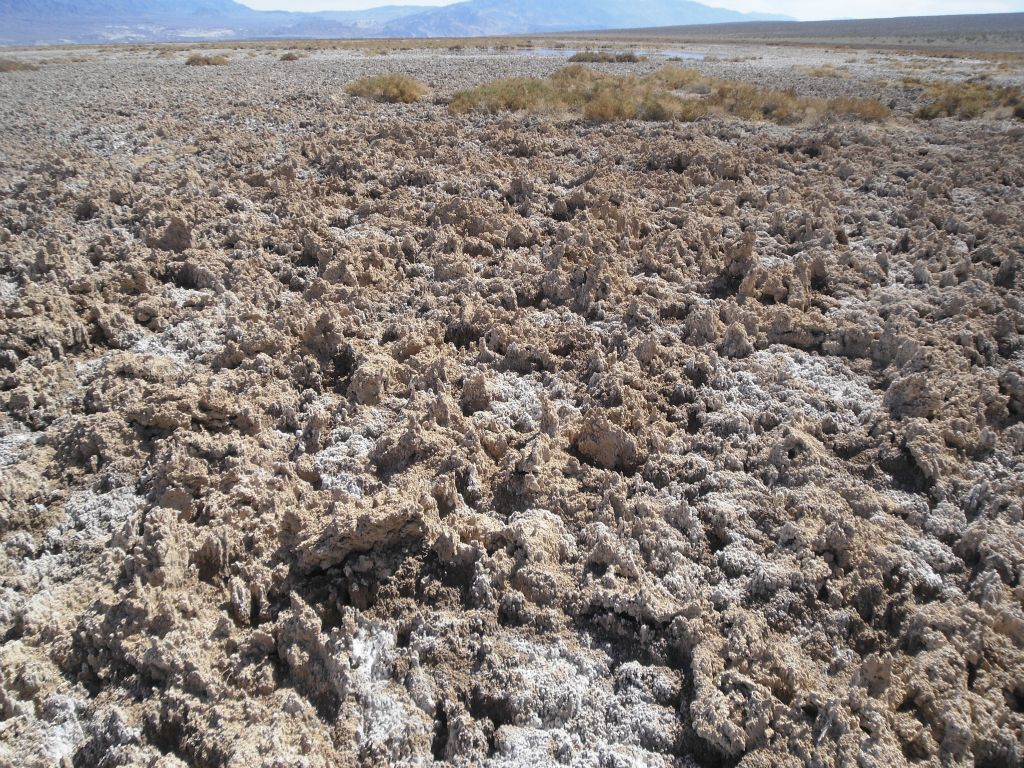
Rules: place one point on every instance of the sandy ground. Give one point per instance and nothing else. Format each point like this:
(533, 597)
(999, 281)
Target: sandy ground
(336, 433)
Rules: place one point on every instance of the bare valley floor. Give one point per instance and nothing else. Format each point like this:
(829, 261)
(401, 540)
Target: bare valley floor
(339, 433)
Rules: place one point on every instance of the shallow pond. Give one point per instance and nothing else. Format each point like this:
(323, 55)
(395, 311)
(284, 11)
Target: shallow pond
(674, 54)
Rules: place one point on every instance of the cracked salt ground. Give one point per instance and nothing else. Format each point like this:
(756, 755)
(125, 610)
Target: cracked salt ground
(96, 515)
(515, 401)
(833, 379)
(618, 444)
(389, 717)
(158, 346)
(91, 522)
(14, 446)
(342, 465)
(9, 290)
(58, 573)
(184, 297)
(56, 732)
(572, 708)
(200, 340)
(813, 387)
(343, 462)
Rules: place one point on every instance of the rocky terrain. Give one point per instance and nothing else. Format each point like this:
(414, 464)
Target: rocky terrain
(336, 433)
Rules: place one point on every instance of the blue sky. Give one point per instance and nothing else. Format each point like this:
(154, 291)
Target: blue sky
(800, 9)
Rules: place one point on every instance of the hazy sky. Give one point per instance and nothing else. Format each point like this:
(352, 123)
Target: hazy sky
(800, 9)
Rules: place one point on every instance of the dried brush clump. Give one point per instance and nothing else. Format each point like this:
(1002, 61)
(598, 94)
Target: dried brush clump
(870, 110)
(605, 57)
(828, 70)
(598, 97)
(968, 100)
(202, 60)
(390, 89)
(671, 93)
(13, 65)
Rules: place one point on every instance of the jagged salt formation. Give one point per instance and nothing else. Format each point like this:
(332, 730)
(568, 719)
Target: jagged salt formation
(338, 434)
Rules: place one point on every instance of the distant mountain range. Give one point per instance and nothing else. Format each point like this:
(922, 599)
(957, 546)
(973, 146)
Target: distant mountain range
(502, 17)
(106, 21)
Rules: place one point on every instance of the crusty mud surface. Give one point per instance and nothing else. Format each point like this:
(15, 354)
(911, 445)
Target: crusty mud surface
(337, 434)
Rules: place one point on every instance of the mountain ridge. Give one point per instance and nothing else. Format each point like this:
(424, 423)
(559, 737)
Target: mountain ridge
(502, 17)
(95, 21)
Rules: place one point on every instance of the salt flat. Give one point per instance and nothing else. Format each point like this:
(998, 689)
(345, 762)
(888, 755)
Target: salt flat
(337, 432)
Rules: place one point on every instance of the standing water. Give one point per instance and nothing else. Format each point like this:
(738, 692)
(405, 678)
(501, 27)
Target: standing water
(680, 54)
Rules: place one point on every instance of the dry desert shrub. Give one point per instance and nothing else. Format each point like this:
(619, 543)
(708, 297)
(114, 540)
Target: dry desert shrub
(290, 56)
(605, 57)
(675, 78)
(202, 60)
(613, 101)
(599, 97)
(606, 98)
(662, 107)
(513, 94)
(827, 70)
(13, 65)
(632, 99)
(390, 89)
(575, 85)
(862, 109)
(750, 102)
(969, 100)
(1011, 57)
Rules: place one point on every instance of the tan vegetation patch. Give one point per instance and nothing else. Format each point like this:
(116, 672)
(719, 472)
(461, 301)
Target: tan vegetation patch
(675, 78)
(605, 57)
(597, 96)
(997, 56)
(13, 65)
(290, 56)
(512, 94)
(862, 109)
(827, 70)
(968, 100)
(202, 60)
(611, 102)
(601, 97)
(390, 89)
(751, 102)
